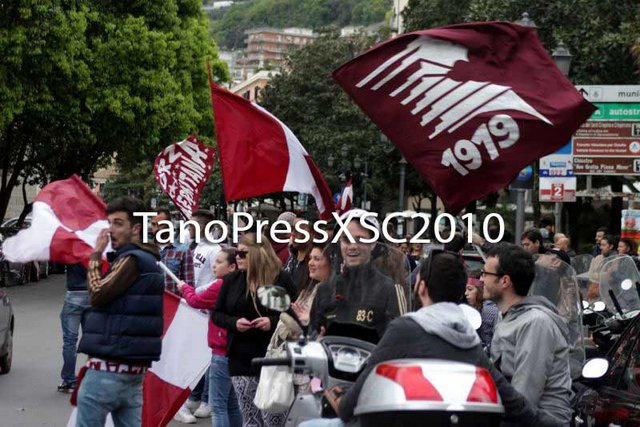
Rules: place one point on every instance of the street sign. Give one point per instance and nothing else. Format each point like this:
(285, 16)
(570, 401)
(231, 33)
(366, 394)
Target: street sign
(609, 142)
(557, 182)
(524, 181)
(557, 189)
(558, 164)
(607, 93)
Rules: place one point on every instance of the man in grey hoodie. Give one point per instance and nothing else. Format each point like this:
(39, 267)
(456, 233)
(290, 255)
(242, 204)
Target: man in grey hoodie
(530, 343)
(439, 330)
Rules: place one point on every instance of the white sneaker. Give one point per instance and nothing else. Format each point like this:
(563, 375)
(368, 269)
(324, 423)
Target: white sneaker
(203, 411)
(192, 404)
(185, 416)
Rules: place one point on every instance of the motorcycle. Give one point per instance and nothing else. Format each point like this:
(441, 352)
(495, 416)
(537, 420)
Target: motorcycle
(398, 392)
(608, 392)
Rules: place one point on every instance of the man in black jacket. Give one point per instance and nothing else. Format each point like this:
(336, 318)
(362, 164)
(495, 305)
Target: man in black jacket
(122, 331)
(439, 330)
(361, 297)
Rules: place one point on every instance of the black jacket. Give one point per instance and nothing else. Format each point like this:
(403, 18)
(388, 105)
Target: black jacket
(405, 339)
(232, 304)
(360, 295)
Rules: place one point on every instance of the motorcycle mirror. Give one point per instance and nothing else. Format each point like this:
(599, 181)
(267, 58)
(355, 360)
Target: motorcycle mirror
(626, 284)
(274, 297)
(585, 304)
(595, 368)
(599, 306)
(472, 315)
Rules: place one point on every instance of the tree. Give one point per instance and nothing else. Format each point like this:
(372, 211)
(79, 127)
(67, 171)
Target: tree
(83, 81)
(324, 118)
(599, 34)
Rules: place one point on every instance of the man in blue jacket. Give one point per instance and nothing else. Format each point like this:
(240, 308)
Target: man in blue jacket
(122, 331)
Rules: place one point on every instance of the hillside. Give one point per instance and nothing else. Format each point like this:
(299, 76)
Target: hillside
(229, 24)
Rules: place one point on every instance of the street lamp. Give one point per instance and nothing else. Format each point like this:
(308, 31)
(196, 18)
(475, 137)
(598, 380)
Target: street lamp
(525, 21)
(562, 57)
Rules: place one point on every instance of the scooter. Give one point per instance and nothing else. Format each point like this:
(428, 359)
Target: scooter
(399, 392)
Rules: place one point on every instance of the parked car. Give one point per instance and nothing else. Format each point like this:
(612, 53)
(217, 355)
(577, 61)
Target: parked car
(7, 325)
(13, 273)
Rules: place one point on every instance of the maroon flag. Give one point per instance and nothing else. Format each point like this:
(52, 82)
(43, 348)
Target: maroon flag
(181, 171)
(468, 105)
(260, 155)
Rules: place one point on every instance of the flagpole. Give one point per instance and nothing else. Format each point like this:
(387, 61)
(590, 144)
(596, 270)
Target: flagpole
(169, 272)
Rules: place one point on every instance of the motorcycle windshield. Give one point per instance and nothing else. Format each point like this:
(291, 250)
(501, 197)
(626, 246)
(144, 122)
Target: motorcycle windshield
(619, 277)
(581, 263)
(556, 281)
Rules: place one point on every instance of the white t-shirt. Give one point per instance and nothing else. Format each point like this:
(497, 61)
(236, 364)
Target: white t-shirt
(204, 258)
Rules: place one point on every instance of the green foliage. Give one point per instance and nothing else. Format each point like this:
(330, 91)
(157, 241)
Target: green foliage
(81, 81)
(322, 116)
(599, 34)
(229, 29)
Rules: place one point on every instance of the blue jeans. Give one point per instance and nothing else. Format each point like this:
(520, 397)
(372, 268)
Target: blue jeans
(200, 392)
(103, 392)
(76, 304)
(225, 411)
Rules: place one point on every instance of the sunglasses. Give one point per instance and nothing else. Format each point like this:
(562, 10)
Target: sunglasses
(242, 254)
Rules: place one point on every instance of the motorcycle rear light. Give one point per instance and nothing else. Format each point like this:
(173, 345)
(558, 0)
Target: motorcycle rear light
(412, 381)
(483, 389)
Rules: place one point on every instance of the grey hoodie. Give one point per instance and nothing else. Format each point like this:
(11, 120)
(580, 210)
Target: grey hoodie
(447, 321)
(530, 346)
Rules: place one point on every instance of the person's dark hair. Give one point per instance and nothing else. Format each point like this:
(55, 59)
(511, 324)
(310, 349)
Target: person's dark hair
(633, 248)
(494, 231)
(611, 239)
(456, 244)
(164, 210)
(532, 234)
(447, 277)
(129, 205)
(545, 222)
(231, 255)
(605, 230)
(517, 263)
(204, 214)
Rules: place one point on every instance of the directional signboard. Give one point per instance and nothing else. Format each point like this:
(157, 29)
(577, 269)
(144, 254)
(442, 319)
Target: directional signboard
(557, 182)
(609, 142)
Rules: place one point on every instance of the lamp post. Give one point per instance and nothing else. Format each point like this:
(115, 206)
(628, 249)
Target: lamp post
(525, 21)
(403, 164)
(562, 57)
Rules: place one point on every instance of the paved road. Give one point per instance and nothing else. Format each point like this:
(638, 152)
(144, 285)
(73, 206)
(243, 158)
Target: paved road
(28, 394)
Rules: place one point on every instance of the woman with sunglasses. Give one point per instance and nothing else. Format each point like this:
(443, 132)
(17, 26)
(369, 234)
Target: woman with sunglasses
(249, 324)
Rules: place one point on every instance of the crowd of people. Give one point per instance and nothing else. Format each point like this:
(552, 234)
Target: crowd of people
(409, 292)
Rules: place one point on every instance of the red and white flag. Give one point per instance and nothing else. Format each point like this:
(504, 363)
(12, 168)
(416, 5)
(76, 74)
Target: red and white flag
(181, 170)
(65, 222)
(468, 105)
(184, 359)
(260, 155)
(346, 198)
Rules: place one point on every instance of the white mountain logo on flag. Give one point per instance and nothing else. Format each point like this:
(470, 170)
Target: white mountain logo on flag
(435, 95)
